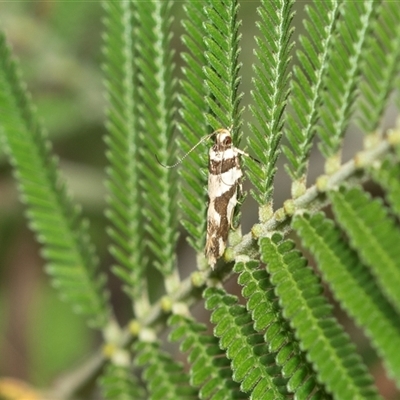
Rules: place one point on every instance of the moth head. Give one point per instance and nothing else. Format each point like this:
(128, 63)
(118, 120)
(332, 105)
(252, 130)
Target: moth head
(223, 139)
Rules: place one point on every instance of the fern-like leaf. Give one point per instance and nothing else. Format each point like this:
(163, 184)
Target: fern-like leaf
(266, 314)
(125, 211)
(343, 75)
(57, 222)
(252, 364)
(373, 234)
(119, 383)
(209, 367)
(165, 378)
(353, 286)
(387, 175)
(194, 110)
(222, 69)
(270, 93)
(156, 110)
(328, 347)
(380, 66)
(308, 84)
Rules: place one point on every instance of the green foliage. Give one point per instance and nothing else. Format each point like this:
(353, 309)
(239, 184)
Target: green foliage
(119, 383)
(267, 318)
(252, 363)
(222, 68)
(381, 66)
(209, 369)
(165, 378)
(124, 199)
(194, 110)
(343, 72)
(270, 93)
(328, 346)
(283, 341)
(57, 222)
(156, 123)
(387, 175)
(374, 234)
(353, 285)
(308, 84)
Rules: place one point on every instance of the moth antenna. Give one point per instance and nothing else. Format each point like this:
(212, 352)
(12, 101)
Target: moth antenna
(181, 159)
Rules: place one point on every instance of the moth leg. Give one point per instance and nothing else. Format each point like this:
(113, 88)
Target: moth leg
(231, 223)
(234, 227)
(239, 193)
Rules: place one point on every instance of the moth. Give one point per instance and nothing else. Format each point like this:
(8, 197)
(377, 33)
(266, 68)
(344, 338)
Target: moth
(224, 187)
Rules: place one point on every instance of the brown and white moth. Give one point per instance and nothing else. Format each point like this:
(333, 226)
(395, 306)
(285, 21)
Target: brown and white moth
(224, 184)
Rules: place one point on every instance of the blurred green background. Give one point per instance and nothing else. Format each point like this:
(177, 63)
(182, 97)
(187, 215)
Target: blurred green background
(58, 44)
